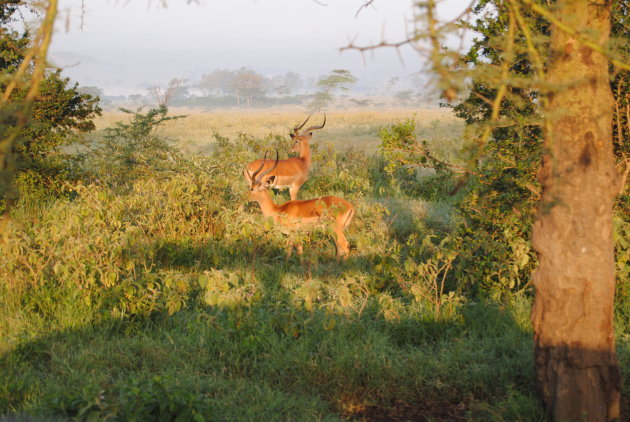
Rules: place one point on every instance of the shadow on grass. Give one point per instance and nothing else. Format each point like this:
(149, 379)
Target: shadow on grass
(274, 360)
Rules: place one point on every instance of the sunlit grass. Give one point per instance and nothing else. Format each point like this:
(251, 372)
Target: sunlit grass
(171, 297)
(344, 129)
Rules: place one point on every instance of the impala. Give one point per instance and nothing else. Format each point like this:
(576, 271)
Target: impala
(329, 211)
(292, 172)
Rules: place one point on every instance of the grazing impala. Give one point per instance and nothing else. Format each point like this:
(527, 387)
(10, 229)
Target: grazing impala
(292, 172)
(300, 215)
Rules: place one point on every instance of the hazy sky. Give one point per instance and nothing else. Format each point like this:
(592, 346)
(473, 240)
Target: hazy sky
(139, 42)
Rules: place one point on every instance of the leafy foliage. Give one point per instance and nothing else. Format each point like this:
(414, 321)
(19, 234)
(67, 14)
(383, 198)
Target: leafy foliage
(173, 298)
(620, 85)
(500, 204)
(58, 115)
(132, 149)
(337, 80)
(496, 200)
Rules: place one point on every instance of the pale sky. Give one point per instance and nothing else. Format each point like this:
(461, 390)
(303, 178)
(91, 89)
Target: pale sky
(139, 42)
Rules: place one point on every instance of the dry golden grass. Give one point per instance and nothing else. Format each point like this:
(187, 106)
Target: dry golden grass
(344, 129)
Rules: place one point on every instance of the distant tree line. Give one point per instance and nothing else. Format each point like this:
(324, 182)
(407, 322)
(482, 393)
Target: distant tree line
(244, 87)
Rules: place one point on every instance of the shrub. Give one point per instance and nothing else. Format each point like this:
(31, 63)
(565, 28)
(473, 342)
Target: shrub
(133, 150)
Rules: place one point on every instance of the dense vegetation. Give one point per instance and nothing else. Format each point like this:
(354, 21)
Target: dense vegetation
(165, 295)
(55, 118)
(140, 285)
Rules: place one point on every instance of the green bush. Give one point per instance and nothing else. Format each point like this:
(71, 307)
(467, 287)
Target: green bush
(172, 298)
(133, 150)
(493, 211)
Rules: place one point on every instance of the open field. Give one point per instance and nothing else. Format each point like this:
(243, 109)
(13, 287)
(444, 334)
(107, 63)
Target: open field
(357, 130)
(168, 297)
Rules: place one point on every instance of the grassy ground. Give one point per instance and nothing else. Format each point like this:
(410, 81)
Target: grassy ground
(170, 298)
(345, 129)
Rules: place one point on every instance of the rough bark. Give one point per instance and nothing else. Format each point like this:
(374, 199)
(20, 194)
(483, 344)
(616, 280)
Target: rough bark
(575, 359)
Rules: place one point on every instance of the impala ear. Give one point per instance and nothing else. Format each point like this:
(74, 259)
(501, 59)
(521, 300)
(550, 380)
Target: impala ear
(271, 180)
(292, 135)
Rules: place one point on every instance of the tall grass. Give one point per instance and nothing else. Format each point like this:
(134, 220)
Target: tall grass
(172, 299)
(357, 130)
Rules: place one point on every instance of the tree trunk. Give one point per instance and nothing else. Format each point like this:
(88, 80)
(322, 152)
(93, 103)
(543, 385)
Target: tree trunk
(575, 359)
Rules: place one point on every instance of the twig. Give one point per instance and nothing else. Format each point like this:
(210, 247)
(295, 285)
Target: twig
(382, 44)
(464, 13)
(364, 6)
(428, 155)
(505, 71)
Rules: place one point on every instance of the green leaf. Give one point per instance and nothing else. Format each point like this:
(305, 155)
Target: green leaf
(329, 324)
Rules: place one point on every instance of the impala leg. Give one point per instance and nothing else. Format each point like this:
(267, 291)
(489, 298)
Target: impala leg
(293, 191)
(343, 246)
(289, 247)
(292, 244)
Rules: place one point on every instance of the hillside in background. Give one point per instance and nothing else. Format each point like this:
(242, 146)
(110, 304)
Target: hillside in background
(125, 73)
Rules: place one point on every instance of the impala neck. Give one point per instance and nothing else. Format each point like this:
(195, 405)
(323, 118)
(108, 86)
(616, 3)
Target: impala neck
(305, 154)
(266, 204)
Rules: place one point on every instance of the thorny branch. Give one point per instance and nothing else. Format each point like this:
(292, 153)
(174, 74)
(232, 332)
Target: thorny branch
(460, 169)
(364, 6)
(434, 30)
(501, 92)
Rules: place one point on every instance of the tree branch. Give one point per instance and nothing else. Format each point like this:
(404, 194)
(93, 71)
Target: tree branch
(364, 6)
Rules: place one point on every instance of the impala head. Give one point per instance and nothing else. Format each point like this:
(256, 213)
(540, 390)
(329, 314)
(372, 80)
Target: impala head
(258, 182)
(301, 139)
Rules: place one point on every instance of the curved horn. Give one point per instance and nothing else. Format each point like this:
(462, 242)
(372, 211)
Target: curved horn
(296, 128)
(315, 127)
(264, 173)
(253, 176)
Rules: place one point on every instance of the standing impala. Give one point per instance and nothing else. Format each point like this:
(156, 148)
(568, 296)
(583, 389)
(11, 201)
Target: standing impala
(300, 215)
(292, 172)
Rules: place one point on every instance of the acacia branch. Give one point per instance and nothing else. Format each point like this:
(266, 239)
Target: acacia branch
(432, 158)
(505, 72)
(362, 49)
(466, 11)
(364, 6)
(534, 54)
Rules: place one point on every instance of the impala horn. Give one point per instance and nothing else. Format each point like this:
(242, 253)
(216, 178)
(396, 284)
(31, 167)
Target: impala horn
(315, 127)
(252, 177)
(297, 128)
(256, 180)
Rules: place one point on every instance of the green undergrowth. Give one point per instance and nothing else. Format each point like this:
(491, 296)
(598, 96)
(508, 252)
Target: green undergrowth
(169, 297)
